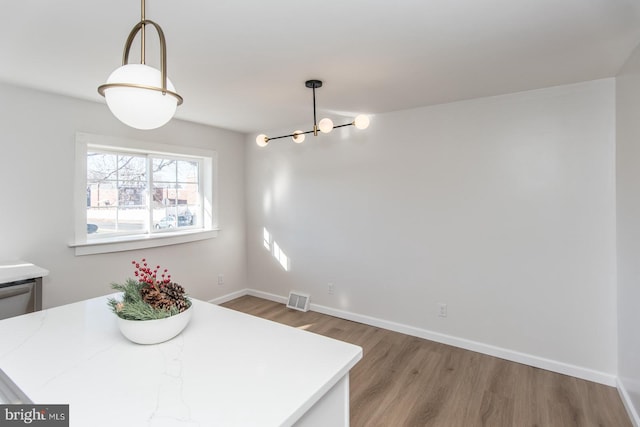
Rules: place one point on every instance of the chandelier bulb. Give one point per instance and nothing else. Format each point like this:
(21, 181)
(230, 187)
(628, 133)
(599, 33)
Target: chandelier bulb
(262, 140)
(298, 137)
(325, 125)
(361, 122)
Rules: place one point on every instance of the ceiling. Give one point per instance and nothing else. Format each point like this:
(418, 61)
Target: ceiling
(242, 65)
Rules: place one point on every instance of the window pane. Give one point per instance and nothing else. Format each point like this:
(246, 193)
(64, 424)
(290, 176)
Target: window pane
(101, 220)
(164, 170)
(132, 196)
(101, 193)
(101, 166)
(102, 197)
(173, 217)
(176, 198)
(116, 193)
(132, 219)
(132, 170)
(187, 171)
(188, 204)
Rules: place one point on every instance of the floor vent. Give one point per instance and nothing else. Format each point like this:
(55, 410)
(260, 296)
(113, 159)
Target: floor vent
(298, 301)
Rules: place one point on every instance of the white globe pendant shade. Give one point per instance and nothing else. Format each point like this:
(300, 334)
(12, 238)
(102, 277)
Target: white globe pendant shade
(138, 107)
(298, 137)
(262, 140)
(325, 125)
(361, 122)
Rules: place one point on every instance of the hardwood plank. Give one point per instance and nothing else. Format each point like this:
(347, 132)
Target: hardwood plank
(408, 381)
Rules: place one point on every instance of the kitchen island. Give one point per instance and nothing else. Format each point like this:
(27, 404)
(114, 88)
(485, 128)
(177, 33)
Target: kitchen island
(225, 369)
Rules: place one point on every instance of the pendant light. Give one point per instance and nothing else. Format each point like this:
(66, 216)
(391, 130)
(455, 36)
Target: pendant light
(325, 125)
(141, 96)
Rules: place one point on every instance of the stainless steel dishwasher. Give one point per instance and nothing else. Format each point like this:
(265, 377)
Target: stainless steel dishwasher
(20, 297)
(20, 288)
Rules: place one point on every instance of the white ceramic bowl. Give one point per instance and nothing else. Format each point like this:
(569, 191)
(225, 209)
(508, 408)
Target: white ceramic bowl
(154, 331)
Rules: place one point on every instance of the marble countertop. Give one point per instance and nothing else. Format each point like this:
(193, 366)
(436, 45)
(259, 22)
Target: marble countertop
(225, 369)
(12, 271)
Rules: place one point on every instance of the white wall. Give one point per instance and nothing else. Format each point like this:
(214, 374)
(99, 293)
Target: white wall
(37, 142)
(502, 207)
(628, 221)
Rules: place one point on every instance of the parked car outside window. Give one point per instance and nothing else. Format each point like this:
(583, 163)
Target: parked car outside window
(170, 221)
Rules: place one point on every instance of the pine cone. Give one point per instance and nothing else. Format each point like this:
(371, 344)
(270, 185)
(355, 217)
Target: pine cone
(155, 298)
(176, 294)
(182, 305)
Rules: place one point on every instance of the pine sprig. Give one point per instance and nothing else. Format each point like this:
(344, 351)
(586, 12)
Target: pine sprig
(130, 289)
(140, 310)
(133, 307)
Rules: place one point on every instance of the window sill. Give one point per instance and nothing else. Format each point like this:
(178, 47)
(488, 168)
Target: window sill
(130, 243)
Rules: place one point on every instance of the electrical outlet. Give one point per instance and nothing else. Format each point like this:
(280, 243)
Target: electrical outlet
(442, 310)
(221, 279)
(330, 288)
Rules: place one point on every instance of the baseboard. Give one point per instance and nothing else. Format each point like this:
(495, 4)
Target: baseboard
(502, 353)
(246, 291)
(229, 297)
(267, 296)
(628, 404)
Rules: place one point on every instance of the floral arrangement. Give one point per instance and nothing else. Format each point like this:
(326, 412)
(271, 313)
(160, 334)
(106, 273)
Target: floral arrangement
(149, 297)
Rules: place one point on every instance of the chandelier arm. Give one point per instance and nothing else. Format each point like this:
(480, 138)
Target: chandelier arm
(288, 136)
(163, 49)
(304, 133)
(346, 124)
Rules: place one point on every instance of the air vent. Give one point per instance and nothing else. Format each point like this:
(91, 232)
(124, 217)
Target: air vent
(298, 301)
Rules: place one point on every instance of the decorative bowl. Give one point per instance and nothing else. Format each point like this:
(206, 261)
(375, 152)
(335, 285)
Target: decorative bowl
(154, 331)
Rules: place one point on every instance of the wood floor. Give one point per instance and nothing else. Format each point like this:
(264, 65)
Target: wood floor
(408, 381)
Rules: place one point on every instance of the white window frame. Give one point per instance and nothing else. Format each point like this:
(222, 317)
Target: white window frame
(113, 243)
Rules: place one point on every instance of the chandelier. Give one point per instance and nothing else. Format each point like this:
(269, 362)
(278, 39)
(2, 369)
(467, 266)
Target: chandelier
(325, 125)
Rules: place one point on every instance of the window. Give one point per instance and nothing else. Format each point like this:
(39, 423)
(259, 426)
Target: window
(136, 193)
(132, 191)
